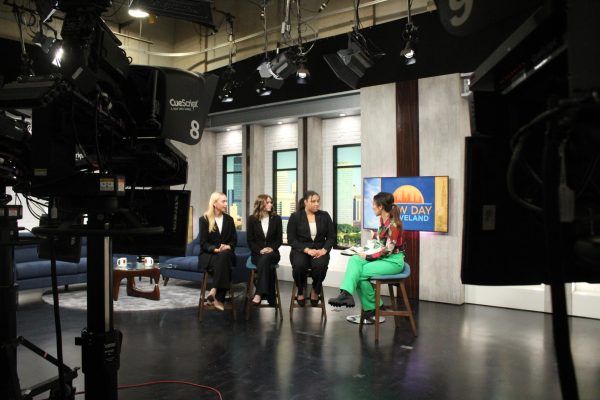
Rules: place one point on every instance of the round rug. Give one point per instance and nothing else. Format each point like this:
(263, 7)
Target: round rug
(171, 296)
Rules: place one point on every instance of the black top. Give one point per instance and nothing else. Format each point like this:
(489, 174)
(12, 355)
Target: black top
(256, 237)
(209, 241)
(298, 231)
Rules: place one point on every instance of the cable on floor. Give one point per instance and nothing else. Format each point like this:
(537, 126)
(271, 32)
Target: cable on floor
(152, 383)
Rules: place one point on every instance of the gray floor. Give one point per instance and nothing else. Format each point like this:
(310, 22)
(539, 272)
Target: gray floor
(462, 352)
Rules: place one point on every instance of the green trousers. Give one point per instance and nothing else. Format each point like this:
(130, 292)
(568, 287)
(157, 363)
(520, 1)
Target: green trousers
(358, 272)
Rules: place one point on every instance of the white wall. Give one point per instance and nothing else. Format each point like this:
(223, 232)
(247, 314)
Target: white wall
(277, 137)
(443, 126)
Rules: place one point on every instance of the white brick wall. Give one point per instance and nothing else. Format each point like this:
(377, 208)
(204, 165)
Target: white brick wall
(227, 143)
(336, 131)
(277, 137)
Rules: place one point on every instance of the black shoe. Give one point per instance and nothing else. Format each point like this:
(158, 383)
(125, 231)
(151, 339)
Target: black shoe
(314, 303)
(271, 300)
(369, 315)
(344, 299)
(302, 302)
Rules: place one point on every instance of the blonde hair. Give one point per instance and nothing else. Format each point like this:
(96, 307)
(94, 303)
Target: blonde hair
(259, 206)
(210, 210)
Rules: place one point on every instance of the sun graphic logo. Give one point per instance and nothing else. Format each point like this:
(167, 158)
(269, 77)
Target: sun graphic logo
(412, 204)
(408, 194)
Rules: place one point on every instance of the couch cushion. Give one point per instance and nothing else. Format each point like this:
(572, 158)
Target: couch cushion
(26, 253)
(183, 263)
(33, 269)
(241, 239)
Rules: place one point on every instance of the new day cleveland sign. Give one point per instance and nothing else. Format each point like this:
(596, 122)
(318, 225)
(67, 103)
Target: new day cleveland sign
(423, 201)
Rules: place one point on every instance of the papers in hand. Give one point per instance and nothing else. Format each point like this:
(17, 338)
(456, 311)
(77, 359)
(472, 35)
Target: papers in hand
(358, 249)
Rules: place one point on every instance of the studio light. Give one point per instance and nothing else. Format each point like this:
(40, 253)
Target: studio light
(136, 10)
(408, 53)
(229, 85)
(262, 88)
(352, 63)
(57, 55)
(409, 35)
(43, 41)
(302, 72)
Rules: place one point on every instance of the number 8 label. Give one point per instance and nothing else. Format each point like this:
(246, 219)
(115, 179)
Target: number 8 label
(195, 129)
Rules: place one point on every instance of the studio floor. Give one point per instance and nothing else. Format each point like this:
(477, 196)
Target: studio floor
(462, 352)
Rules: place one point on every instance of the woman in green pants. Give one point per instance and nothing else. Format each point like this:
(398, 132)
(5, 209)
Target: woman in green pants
(385, 258)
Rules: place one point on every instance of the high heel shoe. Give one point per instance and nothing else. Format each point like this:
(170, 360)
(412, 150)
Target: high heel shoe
(256, 303)
(314, 302)
(301, 302)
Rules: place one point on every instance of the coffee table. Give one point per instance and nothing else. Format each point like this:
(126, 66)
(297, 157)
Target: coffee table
(131, 272)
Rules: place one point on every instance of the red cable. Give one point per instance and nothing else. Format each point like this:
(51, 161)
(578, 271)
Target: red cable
(151, 383)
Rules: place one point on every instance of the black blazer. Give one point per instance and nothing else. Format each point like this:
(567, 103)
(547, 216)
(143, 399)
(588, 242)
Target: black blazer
(298, 231)
(209, 241)
(257, 239)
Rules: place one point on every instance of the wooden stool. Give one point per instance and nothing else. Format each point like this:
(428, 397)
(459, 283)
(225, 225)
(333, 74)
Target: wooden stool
(250, 291)
(293, 303)
(202, 306)
(392, 281)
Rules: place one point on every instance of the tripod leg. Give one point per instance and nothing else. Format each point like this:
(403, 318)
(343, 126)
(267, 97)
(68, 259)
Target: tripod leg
(100, 342)
(9, 380)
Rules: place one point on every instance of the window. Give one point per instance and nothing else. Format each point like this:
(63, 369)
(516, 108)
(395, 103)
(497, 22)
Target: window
(347, 196)
(232, 186)
(285, 185)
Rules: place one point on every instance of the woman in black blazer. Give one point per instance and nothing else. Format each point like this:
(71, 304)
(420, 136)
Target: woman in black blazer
(264, 239)
(311, 234)
(218, 238)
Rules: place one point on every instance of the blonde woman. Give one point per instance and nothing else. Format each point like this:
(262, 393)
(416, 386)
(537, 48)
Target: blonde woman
(264, 239)
(218, 238)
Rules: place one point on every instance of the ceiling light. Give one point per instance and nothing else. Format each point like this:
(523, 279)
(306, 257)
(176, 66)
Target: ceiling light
(58, 55)
(409, 35)
(279, 122)
(302, 73)
(343, 114)
(229, 85)
(136, 10)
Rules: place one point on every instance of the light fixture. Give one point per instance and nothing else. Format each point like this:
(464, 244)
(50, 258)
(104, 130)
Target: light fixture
(136, 10)
(262, 88)
(43, 41)
(57, 54)
(302, 72)
(343, 114)
(351, 64)
(409, 35)
(228, 76)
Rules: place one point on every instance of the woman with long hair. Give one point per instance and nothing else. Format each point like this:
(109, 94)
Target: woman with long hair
(264, 235)
(218, 239)
(386, 257)
(311, 235)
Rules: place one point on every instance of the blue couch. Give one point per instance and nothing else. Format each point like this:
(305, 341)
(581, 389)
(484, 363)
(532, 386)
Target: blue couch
(33, 272)
(187, 267)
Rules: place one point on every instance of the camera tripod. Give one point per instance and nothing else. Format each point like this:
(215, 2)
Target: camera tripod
(60, 386)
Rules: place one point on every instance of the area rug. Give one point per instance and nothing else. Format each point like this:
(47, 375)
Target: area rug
(172, 296)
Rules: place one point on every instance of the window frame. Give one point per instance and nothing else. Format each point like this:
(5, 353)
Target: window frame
(274, 171)
(335, 195)
(225, 173)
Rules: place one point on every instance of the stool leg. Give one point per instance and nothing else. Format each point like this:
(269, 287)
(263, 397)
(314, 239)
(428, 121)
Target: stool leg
(394, 303)
(247, 304)
(277, 298)
(323, 309)
(411, 318)
(202, 294)
(292, 300)
(377, 309)
(232, 304)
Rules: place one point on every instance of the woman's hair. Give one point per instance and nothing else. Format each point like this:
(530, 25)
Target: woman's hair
(210, 210)
(259, 206)
(386, 200)
(307, 195)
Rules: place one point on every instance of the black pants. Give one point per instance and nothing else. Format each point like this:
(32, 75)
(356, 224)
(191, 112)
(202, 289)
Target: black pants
(304, 265)
(219, 267)
(265, 273)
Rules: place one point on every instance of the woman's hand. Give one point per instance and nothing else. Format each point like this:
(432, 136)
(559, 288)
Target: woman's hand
(319, 253)
(266, 250)
(362, 255)
(223, 247)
